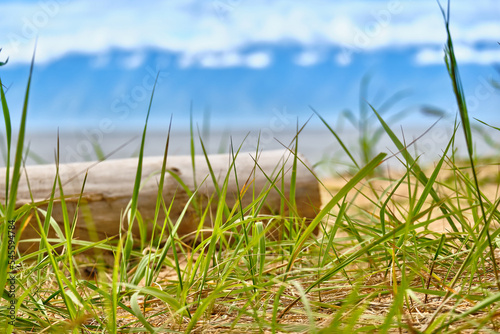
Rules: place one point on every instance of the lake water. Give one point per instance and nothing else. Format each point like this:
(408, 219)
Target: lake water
(318, 145)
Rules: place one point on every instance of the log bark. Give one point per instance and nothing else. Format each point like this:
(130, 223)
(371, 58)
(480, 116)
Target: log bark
(109, 187)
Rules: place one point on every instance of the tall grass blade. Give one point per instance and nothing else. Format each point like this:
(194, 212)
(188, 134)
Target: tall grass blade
(16, 175)
(137, 185)
(430, 183)
(192, 150)
(8, 135)
(159, 196)
(251, 266)
(114, 297)
(293, 178)
(452, 66)
(334, 133)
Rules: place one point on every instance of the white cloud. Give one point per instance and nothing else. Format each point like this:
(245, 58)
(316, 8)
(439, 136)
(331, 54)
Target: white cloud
(227, 59)
(464, 54)
(202, 34)
(344, 57)
(134, 61)
(258, 60)
(307, 58)
(430, 56)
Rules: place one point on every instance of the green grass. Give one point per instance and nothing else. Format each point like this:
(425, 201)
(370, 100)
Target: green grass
(379, 263)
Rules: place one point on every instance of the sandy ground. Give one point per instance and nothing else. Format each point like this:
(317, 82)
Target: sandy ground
(446, 186)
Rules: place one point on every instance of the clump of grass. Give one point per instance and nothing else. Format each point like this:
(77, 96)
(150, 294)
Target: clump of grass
(413, 252)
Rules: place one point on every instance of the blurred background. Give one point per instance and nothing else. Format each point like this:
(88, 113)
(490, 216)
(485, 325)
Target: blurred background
(242, 68)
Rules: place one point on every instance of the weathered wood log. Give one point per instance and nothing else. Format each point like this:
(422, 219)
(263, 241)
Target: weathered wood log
(109, 187)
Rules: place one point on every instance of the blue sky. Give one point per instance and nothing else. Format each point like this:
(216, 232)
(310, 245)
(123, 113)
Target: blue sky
(242, 60)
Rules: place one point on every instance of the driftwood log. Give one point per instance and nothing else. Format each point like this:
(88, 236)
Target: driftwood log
(109, 187)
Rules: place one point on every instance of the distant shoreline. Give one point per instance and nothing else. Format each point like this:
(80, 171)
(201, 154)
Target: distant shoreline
(315, 143)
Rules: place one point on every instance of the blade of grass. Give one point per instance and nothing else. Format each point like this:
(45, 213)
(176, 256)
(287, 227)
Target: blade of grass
(293, 178)
(159, 197)
(329, 206)
(115, 290)
(137, 185)
(430, 182)
(451, 64)
(8, 134)
(431, 270)
(251, 266)
(16, 175)
(344, 147)
(136, 310)
(192, 150)
(213, 176)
